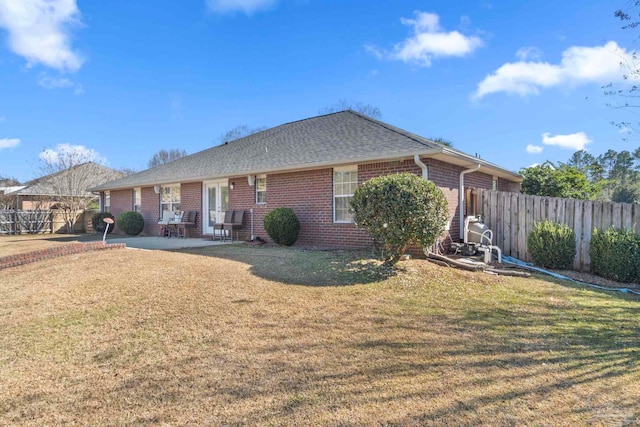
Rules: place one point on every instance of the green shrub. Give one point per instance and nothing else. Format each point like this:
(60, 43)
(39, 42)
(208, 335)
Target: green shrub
(398, 210)
(552, 245)
(615, 255)
(282, 225)
(98, 223)
(132, 223)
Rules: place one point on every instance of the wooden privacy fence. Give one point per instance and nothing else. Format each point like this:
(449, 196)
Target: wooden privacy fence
(512, 216)
(24, 222)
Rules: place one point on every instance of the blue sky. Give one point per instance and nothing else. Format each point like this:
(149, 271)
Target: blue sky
(516, 82)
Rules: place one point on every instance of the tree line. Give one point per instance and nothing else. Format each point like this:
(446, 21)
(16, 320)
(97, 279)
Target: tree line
(612, 176)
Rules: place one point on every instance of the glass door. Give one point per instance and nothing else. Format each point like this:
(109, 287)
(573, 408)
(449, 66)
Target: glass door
(215, 205)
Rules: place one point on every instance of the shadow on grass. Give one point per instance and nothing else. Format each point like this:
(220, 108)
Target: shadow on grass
(295, 266)
(61, 238)
(607, 292)
(511, 362)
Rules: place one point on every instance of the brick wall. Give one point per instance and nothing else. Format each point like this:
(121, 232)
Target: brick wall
(191, 200)
(310, 195)
(504, 185)
(121, 201)
(55, 252)
(150, 210)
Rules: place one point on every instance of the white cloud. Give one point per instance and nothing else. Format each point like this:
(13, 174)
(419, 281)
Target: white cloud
(48, 82)
(623, 129)
(79, 153)
(579, 65)
(428, 41)
(573, 141)
(534, 149)
(39, 31)
(530, 52)
(245, 6)
(9, 142)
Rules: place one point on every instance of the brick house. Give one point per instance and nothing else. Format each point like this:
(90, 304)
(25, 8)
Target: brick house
(312, 166)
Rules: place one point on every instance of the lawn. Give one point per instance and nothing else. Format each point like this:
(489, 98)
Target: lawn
(236, 335)
(20, 243)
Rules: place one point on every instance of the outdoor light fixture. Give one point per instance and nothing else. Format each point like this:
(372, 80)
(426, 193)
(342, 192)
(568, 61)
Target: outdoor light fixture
(233, 185)
(156, 189)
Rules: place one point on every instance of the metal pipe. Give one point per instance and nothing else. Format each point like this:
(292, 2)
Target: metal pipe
(425, 169)
(461, 197)
(253, 238)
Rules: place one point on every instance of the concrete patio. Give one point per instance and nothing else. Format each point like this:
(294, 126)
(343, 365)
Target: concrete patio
(163, 243)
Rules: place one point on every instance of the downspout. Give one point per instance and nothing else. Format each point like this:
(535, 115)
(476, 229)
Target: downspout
(461, 197)
(425, 170)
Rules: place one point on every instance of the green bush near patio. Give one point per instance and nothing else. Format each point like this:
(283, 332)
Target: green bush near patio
(132, 223)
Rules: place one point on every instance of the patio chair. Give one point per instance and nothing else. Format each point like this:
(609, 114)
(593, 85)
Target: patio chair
(228, 218)
(236, 221)
(189, 221)
(164, 221)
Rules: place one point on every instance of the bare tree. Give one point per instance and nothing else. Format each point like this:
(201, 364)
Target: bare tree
(626, 94)
(164, 156)
(7, 201)
(6, 181)
(239, 132)
(358, 107)
(69, 173)
(127, 171)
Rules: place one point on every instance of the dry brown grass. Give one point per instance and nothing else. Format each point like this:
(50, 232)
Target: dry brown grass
(270, 336)
(21, 243)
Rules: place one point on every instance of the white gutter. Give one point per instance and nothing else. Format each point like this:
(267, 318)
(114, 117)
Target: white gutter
(461, 197)
(425, 170)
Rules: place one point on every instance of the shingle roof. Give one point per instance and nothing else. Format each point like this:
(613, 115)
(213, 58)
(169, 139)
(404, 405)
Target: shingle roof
(91, 174)
(338, 138)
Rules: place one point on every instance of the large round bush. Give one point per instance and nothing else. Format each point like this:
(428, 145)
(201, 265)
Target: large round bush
(615, 255)
(282, 225)
(98, 223)
(132, 223)
(398, 210)
(552, 245)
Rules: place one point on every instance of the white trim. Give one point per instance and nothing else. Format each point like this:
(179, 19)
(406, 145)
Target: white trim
(256, 190)
(204, 217)
(350, 168)
(171, 203)
(133, 196)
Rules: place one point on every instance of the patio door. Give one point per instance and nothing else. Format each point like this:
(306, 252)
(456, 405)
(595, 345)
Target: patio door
(215, 202)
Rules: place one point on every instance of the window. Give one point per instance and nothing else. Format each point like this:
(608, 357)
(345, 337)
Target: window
(170, 199)
(137, 199)
(261, 189)
(494, 185)
(106, 206)
(345, 182)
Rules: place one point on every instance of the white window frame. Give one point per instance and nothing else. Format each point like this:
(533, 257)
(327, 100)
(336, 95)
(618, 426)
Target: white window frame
(172, 202)
(342, 170)
(261, 191)
(137, 199)
(494, 183)
(106, 205)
